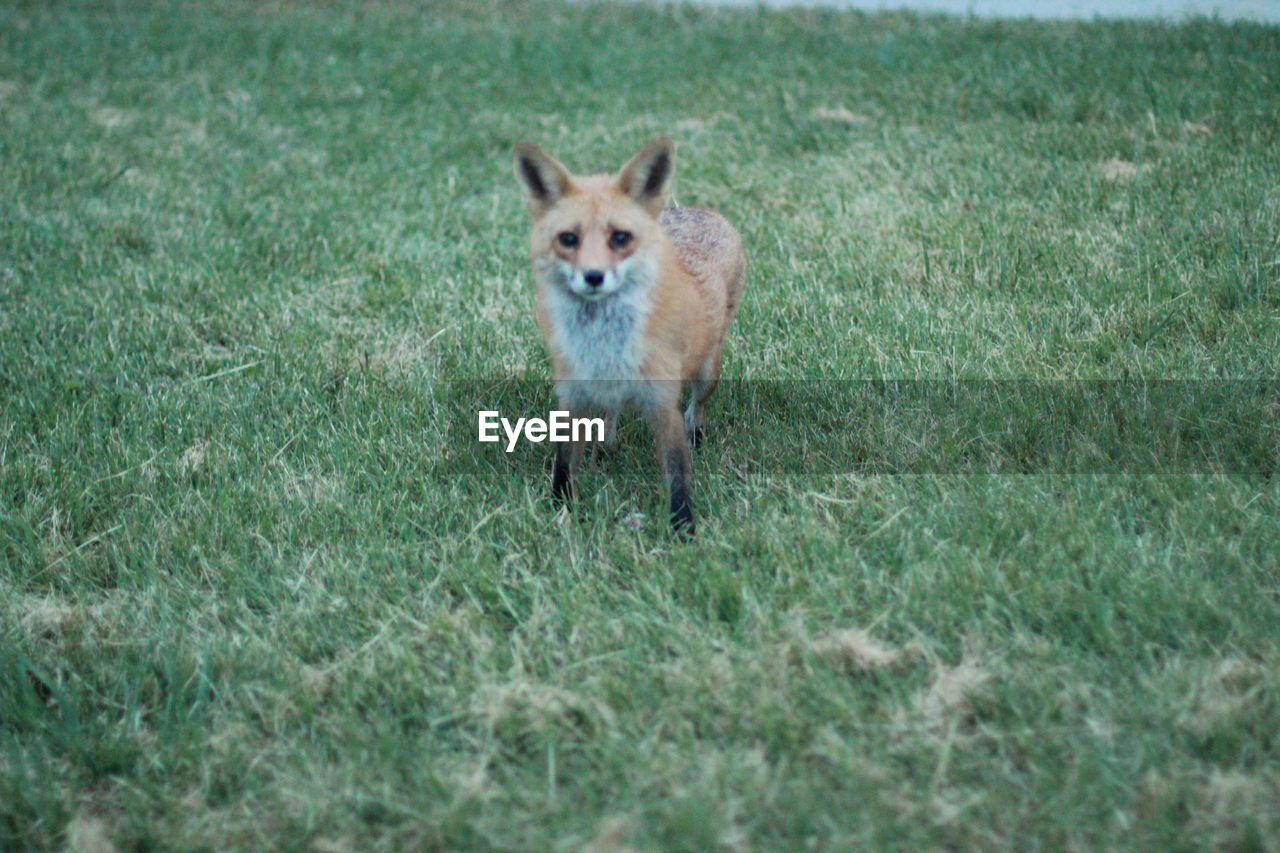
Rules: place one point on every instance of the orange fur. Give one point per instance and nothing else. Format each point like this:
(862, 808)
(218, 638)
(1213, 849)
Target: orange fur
(634, 299)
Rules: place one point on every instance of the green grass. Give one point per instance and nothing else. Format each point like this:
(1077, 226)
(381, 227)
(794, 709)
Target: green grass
(260, 587)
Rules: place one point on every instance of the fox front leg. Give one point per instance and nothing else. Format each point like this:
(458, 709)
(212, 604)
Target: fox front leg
(565, 466)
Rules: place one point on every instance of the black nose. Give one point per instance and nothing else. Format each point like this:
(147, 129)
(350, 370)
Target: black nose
(593, 278)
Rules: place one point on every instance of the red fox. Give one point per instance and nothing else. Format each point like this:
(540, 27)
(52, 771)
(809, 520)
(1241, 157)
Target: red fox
(634, 299)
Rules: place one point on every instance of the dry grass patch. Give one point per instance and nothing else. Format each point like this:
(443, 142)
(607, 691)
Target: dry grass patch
(1119, 169)
(87, 833)
(515, 710)
(840, 115)
(857, 650)
(953, 689)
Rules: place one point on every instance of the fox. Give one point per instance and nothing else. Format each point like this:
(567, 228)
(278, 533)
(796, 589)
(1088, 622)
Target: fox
(634, 298)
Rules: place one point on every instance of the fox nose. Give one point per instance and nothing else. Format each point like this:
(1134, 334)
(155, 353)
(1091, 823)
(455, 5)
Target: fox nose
(593, 278)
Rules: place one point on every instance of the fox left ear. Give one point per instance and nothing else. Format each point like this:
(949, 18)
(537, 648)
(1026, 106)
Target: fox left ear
(645, 178)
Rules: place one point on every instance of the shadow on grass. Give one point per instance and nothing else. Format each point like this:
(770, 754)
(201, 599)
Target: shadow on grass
(938, 427)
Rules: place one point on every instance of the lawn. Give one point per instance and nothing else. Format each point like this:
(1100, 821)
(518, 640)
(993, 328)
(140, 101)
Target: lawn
(988, 512)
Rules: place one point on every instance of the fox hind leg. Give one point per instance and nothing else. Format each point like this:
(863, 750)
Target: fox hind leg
(695, 416)
(673, 456)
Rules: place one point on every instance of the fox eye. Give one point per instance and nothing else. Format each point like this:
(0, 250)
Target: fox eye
(567, 239)
(619, 239)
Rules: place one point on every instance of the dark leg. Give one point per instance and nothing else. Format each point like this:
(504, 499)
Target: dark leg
(568, 455)
(677, 469)
(695, 417)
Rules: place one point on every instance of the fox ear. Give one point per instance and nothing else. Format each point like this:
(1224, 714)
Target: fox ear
(646, 177)
(544, 177)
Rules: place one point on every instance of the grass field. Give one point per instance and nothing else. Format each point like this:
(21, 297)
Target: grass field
(959, 583)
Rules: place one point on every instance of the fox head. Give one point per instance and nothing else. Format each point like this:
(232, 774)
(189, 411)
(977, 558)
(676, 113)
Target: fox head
(596, 235)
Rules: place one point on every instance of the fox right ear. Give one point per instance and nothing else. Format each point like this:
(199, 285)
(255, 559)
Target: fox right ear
(646, 177)
(544, 177)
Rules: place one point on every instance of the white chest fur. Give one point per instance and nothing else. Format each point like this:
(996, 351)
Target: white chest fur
(602, 343)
